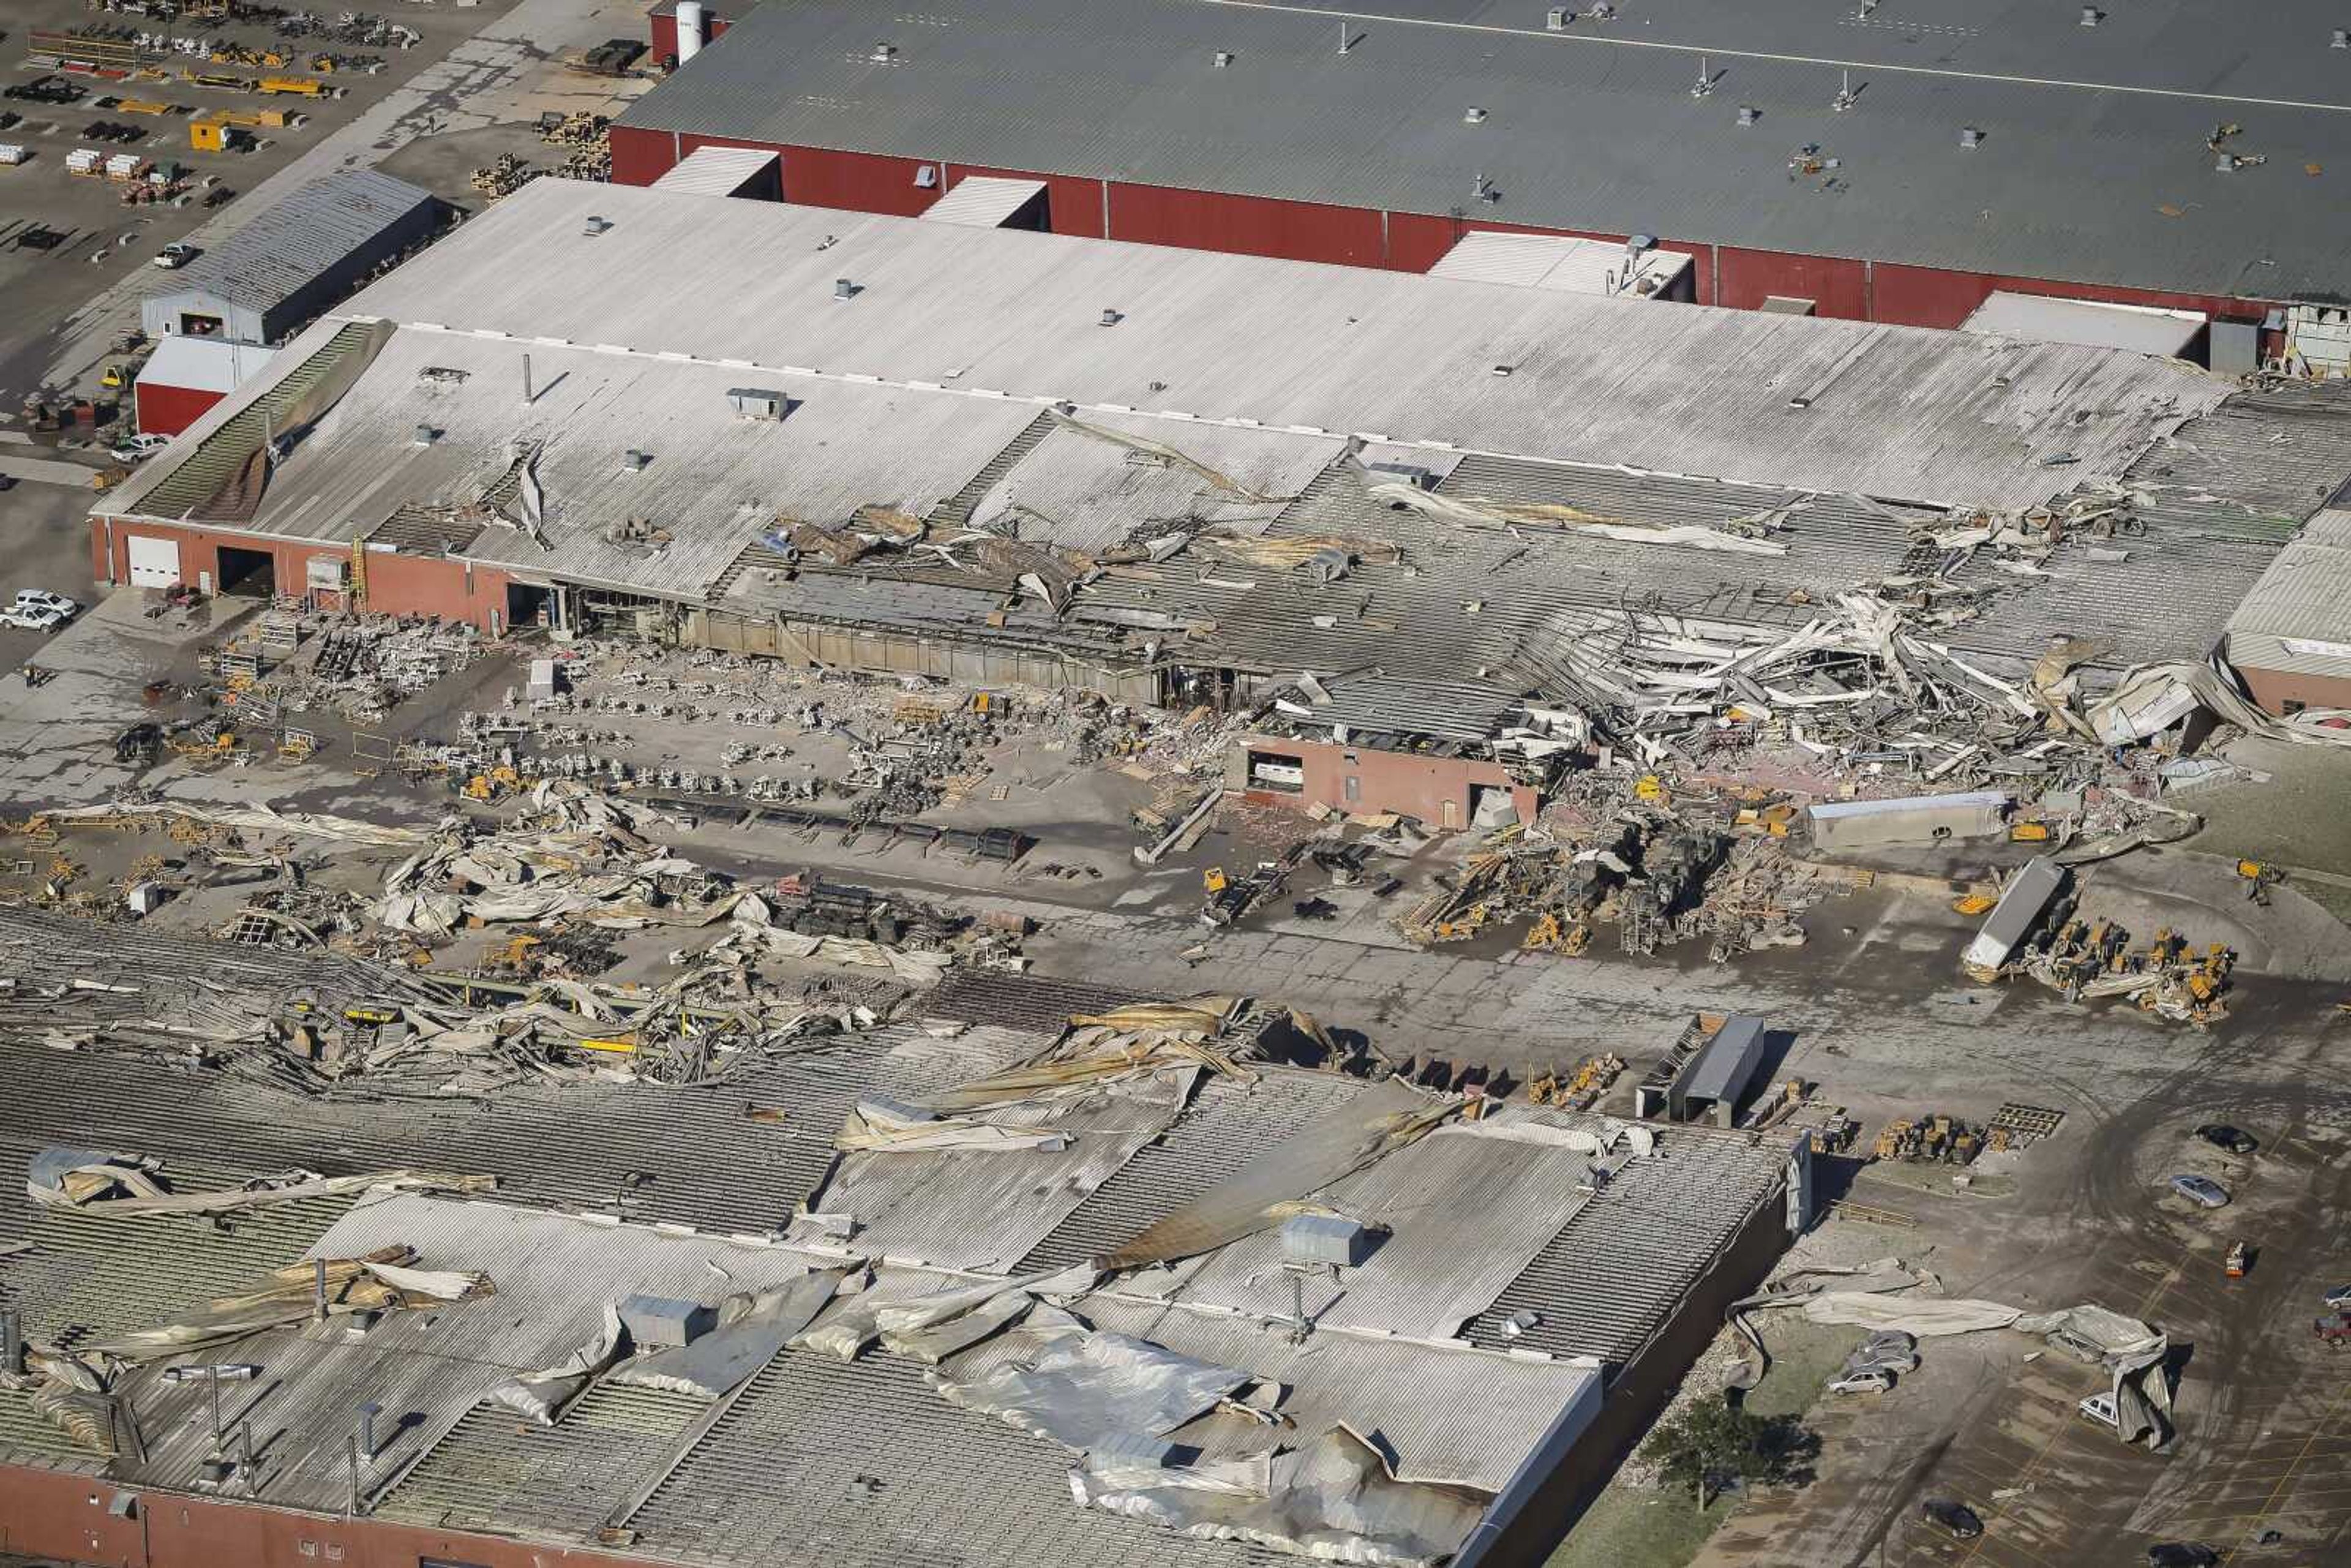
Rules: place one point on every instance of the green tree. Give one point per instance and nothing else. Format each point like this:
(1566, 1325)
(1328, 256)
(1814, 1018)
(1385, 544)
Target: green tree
(1714, 1442)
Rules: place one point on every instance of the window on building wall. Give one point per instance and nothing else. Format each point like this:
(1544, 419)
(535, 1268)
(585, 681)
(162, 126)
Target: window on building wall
(2292, 707)
(1354, 788)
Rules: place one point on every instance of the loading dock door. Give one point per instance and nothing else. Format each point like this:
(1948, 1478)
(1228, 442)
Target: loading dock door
(154, 563)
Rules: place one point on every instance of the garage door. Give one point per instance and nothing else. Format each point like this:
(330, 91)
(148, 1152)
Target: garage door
(154, 563)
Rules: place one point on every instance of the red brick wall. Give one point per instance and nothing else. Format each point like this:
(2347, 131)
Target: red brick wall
(2273, 689)
(169, 410)
(396, 584)
(1387, 781)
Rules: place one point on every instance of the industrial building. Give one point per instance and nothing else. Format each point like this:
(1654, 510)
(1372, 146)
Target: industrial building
(266, 282)
(1169, 477)
(1875, 163)
(1092, 1291)
(2291, 638)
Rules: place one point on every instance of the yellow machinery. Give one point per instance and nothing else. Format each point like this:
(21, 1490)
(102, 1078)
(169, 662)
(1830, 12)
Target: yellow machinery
(2029, 833)
(1549, 934)
(113, 377)
(1651, 788)
(493, 784)
(141, 106)
(215, 79)
(2260, 876)
(1213, 880)
(301, 86)
(1974, 902)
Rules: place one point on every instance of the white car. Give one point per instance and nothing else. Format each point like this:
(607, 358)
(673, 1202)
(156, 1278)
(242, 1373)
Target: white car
(42, 599)
(2100, 1408)
(32, 618)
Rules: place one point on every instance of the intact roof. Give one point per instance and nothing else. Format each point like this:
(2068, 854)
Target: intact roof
(2142, 329)
(1813, 404)
(2297, 619)
(2093, 166)
(286, 246)
(203, 364)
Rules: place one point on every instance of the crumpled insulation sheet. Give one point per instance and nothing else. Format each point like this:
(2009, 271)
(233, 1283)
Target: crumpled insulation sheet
(1331, 1499)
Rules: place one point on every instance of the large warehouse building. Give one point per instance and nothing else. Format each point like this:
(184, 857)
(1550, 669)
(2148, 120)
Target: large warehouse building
(1902, 163)
(1170, 476)
(1066, 1328)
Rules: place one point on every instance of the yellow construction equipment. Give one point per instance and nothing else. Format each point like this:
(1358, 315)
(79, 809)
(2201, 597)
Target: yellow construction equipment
(113, 377)
(141, 106)
(1650, 787)
(215, 79)
(302, 87)
(2029, 832)
(1974, 902)
(1213, 880)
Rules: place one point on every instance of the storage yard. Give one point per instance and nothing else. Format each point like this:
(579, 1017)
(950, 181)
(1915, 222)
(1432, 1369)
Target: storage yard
(693, 877)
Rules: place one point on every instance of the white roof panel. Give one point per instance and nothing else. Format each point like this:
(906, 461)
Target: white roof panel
(717, 170)
(1553, 261)
(983, 202)
(203, 364)
(2043, 319)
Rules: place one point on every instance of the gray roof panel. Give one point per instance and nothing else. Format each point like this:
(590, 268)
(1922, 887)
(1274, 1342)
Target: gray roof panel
(2092, 169)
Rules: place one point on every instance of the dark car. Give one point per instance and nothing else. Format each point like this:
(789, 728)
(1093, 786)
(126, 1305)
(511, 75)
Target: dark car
(1955, 1520)
(2180, 1554)
(2222, 1136)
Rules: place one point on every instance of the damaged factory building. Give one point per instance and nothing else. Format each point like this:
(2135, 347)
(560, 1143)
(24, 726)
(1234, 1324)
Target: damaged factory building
(1432, 558)
(1042, 1275)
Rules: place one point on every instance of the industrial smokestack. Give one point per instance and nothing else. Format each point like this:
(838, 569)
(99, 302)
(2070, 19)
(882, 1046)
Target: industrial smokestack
(368, 1413)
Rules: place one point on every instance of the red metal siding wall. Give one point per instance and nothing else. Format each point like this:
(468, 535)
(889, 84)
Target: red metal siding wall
(661, 30)
(641, 156)
(2274, 688)
(1073, 205)
(1836, 288)
(1247, 225)
(1418, 787)
(862, 182)
(199, 551)
(168, 410)
(1930, 296)
(1405, 242)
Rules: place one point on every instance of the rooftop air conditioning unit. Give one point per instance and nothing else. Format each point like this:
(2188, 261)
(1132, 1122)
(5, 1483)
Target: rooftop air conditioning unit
(758, 403)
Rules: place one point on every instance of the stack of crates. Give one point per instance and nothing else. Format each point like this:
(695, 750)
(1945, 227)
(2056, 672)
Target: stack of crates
(86, 161)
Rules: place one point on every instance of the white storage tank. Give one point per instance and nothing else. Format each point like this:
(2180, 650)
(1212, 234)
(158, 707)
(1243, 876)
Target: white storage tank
(689, 29)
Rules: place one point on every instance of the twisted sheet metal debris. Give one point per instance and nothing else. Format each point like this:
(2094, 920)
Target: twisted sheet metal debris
(80, 1179)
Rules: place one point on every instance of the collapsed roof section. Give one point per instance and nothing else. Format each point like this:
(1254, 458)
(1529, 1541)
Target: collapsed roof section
(1076, 1236)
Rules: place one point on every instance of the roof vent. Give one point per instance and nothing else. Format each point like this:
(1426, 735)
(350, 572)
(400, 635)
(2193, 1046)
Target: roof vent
(1749, 114)
(884, 55)
(426, 435)
(2092, 16)
(1473, 115)
(2341, 40)
(927, 177)
(664, 1322)
(1325, 1239)
(1970, 137)
(595, 225)
(635, 462)
(1112, 317)
(1224, 58)
(1557, 18)
(842, 288)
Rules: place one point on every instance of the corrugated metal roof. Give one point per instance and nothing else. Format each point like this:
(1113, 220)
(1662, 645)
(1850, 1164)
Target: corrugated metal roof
(981, 202)
(285, 248)
(2297, 619)
(2092, 167)
(1812, 404)
(715, 170)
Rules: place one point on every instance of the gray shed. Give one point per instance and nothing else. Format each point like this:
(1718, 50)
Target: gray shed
(267, 280)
